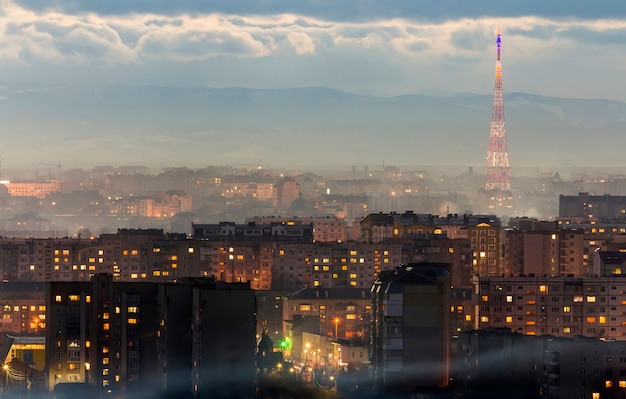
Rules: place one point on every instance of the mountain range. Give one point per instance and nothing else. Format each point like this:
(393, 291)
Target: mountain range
(84, 126)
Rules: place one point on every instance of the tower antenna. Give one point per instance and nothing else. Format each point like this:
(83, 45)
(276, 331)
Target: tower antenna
(498, 169)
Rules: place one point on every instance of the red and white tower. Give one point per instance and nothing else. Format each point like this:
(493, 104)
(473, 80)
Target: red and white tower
(498, 169)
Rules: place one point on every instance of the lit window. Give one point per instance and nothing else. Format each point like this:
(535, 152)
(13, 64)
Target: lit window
(57, 298)
(468, 317)
(132, 320)
(509, 298)
(509, 319)
(543, 288)
(566, 309)
(591, 319)
(190, 250)
(105, 326)
(74, 298)
(566, 330)
(608, 383)
(484, 319)
(591, 299)
(485, 298)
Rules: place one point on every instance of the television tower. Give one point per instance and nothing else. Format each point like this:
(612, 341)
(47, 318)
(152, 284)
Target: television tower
(498, 169)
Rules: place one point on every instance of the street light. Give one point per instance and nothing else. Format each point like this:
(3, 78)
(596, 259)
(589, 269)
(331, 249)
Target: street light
(306, 351)
(336, 321)
(5, 367)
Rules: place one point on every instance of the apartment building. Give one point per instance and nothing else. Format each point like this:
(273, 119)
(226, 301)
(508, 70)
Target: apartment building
(560, 306)
(483, 231)
(411, 326)
(152, 338)
(325, 229)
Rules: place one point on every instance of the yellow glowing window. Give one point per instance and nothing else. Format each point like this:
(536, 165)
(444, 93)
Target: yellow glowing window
(174, 257)
(125, 252)
(281, 252)
(566, 330)
(566, 309)
(325, 268)
(608, 383)
(118, 310)
(484, 319)
(174, 266)
(622, 384)
(530, 302)
(468, 317)
(105, 360)
(57, 298)
(352, 283)
(543, 288)
(509, 298)
(105, 326)
(239, 257)
(344, 267)
(190, 250)
(133, 309)
(316, 268)
(305, 308)
(509, 319)
(602, 319)
(485, 298)
(73, 297)
(316, 283)
(335, 275)
(352, 253)
(352, 275)
(451, 250)
(591, 319)
(591, 299)
(87, 344)
(88, 298)
(105, 316)
(134, 252)
(156, 273)
(132, 320)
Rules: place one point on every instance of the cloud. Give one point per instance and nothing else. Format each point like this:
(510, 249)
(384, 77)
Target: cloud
(403, 49)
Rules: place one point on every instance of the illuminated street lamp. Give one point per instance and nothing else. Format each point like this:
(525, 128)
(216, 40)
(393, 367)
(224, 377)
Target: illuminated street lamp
(5, 367)
(306, 351)
(336, 320)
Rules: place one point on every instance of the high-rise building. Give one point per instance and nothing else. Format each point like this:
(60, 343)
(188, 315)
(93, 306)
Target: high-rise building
(170, 340)
(498, 169)
(411, 326)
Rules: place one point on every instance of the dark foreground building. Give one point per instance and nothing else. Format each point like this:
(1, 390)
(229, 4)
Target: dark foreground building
(194, 338)
(411, 327)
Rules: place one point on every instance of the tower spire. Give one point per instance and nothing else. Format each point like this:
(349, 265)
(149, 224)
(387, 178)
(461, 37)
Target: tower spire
(498, 169)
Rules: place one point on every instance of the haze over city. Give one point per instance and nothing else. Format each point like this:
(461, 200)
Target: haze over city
(312, 199)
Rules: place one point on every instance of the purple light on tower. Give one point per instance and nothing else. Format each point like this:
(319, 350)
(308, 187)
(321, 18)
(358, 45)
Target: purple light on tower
(498, 169)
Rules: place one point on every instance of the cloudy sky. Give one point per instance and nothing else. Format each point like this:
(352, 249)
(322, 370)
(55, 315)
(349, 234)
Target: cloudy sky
(554, 48)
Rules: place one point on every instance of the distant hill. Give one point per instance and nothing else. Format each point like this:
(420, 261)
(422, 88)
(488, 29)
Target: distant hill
(158, 126)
